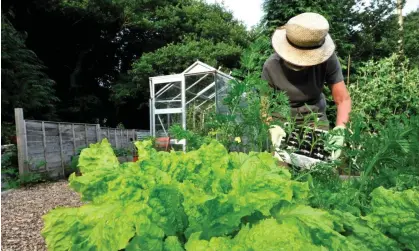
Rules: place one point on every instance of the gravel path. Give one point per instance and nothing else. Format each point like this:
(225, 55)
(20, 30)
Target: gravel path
(22, 211)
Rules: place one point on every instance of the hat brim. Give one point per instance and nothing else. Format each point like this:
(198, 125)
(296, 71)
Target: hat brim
(301, 57)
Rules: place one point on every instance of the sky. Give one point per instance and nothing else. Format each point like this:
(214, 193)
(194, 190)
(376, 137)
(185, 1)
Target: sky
(250, 11)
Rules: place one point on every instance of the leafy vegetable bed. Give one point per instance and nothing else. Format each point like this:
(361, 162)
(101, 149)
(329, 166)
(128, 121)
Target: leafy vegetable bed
(210, 199)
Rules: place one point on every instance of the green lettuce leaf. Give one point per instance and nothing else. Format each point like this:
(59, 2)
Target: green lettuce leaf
(266, 235)
(167, 210)
(97, 227)
(269, 235)
(172, 243)
(216, 212)
(148, 238)
(129, 181)
(215, 244)
(357, 231)
(97, 156)
(261, 159)
(209, 199)
(396, 214)
(335, 231)
(316, 223)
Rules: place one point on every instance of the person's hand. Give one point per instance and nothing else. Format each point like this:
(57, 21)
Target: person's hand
(335, 142)
(277, 134)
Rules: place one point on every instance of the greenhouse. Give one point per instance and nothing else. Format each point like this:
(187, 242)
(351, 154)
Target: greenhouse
(186, 98)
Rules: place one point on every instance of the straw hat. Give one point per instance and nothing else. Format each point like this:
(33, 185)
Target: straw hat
(304, 40)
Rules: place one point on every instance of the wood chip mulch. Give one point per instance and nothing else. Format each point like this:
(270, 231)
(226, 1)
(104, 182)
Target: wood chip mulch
(22, 211)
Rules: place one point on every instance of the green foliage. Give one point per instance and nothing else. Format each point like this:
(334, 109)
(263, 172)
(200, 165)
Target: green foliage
(185, 31)
(10, 171)
(381, 37)
(411, 37)
(91, 56)
(392, 146)
(160, 61)
(385, 89)
(396, 214)
(75, 162)
(108, 49)
(8, 132)
(337, 195)
(387, 158)
(194, 141)
(122, 152)
(9, 168)
(24, 81)
(370, 29)
(246, 110)
(28, 179)
(97, 157)
(180, 17)
(208, 199)
(255, 55)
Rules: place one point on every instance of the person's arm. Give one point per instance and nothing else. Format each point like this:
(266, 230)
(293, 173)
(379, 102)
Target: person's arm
(340, 94)
(343, 102)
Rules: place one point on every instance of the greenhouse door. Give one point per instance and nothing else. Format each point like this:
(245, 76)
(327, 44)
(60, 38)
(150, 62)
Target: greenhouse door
(168, 104)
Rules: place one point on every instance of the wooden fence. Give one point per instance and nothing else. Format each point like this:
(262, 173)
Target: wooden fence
(45, 146)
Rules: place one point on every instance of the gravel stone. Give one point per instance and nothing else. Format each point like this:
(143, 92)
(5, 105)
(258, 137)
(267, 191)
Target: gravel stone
(22, 210)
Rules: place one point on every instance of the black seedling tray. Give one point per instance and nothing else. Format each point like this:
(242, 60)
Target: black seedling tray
(306, 141)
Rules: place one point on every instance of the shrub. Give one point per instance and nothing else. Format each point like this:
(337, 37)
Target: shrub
(385, 88)
(9, 168)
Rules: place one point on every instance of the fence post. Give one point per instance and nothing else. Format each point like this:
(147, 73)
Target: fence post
(21, 140)
(98, 133)
(85, 133)
(122, 142)
(74, 139)
(61, 149)
(44, 140)
(128, 142)
(116, 139)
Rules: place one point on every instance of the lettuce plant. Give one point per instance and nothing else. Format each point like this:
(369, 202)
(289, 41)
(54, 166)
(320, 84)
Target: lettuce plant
(206, 199)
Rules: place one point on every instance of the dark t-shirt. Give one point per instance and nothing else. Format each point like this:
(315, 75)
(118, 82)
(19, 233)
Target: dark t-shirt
(303, 87)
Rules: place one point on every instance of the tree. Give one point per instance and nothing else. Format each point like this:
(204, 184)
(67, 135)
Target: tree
(411, 37)
(89, 47)
(369, 37)
(389, 35)
(77, 48)
(24, 81)
(190, 30)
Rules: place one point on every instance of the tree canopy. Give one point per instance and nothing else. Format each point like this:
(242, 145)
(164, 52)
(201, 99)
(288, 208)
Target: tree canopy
(93, 49)
(24, 81)
(90, 60)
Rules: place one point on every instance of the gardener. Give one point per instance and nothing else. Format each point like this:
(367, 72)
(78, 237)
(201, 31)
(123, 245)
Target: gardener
(304, 61)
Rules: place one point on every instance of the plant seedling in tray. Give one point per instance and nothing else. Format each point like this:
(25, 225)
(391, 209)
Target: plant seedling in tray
(306, 141)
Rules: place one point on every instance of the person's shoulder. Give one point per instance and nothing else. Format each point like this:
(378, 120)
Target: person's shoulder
(329, 63)
(273, 58)
(332, 59)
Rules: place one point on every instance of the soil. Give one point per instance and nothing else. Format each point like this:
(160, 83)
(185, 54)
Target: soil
(22, 210)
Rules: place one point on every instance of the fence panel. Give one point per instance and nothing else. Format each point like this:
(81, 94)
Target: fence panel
(45, 146)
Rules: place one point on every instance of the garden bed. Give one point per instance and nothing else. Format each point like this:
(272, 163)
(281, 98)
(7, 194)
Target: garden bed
(22, 210)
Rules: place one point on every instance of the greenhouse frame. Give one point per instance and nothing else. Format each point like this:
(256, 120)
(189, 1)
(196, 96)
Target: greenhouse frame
(185, 98)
